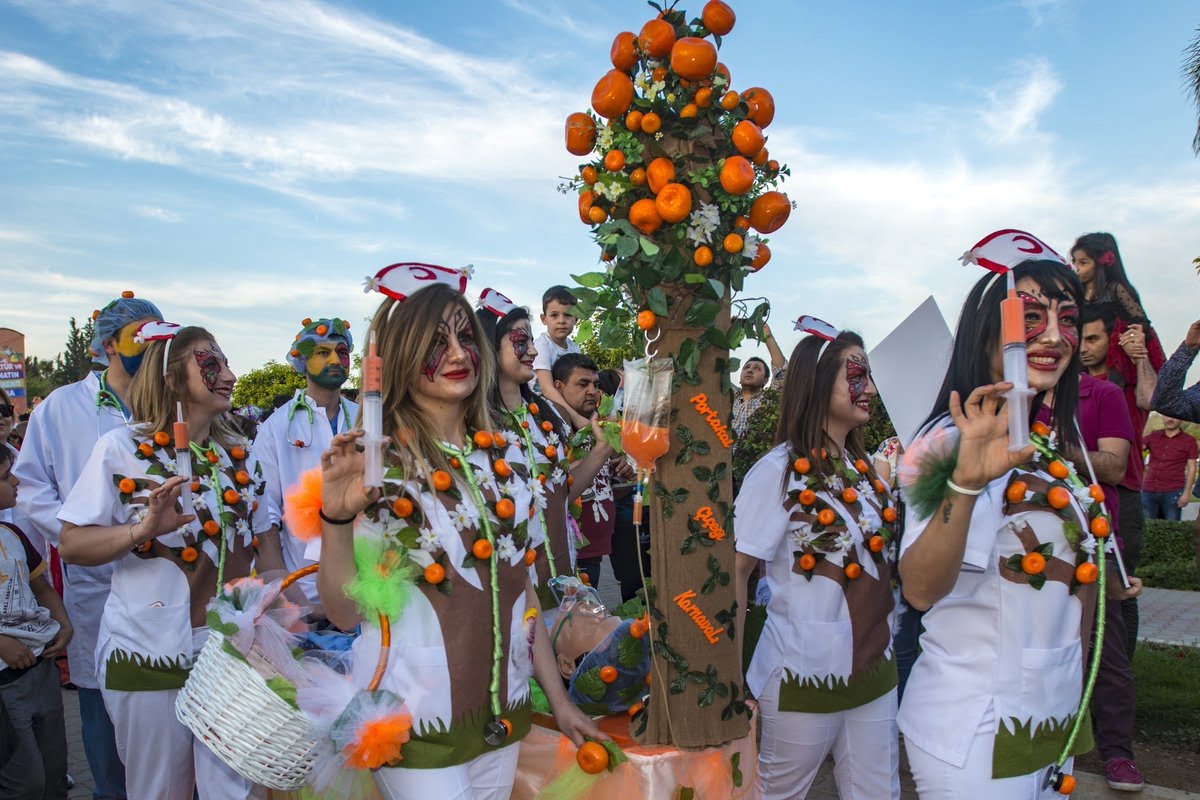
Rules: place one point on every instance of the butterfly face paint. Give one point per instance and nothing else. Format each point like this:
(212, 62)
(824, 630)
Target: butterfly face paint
(459, 328)
(857, 371)
(1039, 311)
(520, 339)
(211, 365)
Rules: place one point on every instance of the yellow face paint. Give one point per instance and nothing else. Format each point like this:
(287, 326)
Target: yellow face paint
(329, 364)
(124, 343)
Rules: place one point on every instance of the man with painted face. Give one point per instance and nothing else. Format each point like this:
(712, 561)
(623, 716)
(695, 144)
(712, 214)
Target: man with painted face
(293, 438)
(60, 436)
(603, 659)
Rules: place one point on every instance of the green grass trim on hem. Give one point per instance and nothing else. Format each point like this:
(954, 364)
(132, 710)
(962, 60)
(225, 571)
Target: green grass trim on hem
(1026, 749)
(134, 672)
(436, 746)
(830, 694)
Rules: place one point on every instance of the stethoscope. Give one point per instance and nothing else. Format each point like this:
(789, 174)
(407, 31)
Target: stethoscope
(300, 403)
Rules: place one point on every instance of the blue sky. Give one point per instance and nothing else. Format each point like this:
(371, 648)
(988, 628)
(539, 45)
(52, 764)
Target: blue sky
(246, 164)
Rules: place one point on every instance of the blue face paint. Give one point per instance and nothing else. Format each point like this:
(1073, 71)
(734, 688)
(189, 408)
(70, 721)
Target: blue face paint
(131, 363)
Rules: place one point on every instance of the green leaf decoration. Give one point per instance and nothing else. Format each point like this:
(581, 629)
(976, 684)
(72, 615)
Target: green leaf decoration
(735, 762)
(648, 247)
(656, 301)
(590, 685)
(1037, 581)
(630, 652)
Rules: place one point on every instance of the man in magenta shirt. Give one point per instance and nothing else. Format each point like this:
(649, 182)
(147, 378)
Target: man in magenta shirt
(1171, 471)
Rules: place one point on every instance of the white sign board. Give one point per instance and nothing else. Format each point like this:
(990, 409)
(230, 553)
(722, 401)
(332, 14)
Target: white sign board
(909, 365)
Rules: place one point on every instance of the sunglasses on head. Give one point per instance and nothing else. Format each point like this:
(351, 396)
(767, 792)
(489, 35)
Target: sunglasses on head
(6, 410)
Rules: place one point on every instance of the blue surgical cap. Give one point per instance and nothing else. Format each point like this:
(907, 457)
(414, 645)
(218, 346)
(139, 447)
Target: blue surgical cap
(314, 332)
(109, 320)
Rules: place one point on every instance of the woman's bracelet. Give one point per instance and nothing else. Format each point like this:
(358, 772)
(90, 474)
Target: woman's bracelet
(964, 491)
(332, 521)
(132, 540)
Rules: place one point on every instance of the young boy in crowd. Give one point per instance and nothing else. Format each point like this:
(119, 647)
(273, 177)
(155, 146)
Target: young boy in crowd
(558, 315)
(33, 630)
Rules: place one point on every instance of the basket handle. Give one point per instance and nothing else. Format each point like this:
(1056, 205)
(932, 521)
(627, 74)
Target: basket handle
(385, 627)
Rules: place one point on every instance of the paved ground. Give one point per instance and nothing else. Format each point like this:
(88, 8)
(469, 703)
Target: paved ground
(1167, 616)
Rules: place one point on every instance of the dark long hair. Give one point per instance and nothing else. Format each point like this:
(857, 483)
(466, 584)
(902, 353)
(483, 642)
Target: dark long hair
(494, 330)
(978, 338)
(804, 404)
(1107, 276)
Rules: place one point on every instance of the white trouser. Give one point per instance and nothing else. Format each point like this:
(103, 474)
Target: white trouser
(937, 780)
(863, 740)
(486, 777)
(163, 760)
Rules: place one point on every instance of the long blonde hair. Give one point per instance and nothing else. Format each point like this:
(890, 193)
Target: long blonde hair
(153, 394)
(406, 333)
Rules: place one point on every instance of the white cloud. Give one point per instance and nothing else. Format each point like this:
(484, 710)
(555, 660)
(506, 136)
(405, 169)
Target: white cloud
(160, 214)
(1013, 111)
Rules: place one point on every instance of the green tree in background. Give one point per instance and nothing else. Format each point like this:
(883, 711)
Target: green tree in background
(259, 387)
(608, 355)
(75, 362)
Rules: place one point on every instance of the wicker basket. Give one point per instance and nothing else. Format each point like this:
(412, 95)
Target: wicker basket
(227, 705)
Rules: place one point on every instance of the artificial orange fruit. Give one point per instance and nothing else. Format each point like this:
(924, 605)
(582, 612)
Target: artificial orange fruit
(597, 214)
(635, 709)
(760, 158)
(761, 257)
(586, 198)
(737, 177)
(1087, 572)
(826, 516)
(876, 544)
(435, 573)
(771, 166)
(853, 570)
(1100, 527)
(729, 100)
(501, 468)
(442, 480)
(659, 173)
(162, 438)
(1040, 428)
(689, 111)
(849, 495)
(693, 58)
(1015, 493)
(242, 477)
(211, 528)
(807, 562)
(762, 106)
(658, 74)
(657, 38)
(483, 439)
(718, 17)
(748, 138)
(644, 216)
(1033, 563)
(733, 243)
(769, 211)
(646, 319)
(608, 674)
(614, 161)
(1058, 497)
(530, 557)
(238, 453)
(703, 97)
(802, 465)
(638, 176)
(146, 449)
(651, 122)
(889, 514)
(189, 554)
(703, 256)
(588, 175)
(505, 508)
(231, 497)
(624, 53)
(402, 507)
(861, 467)
(1058, 469)
(1096, 493)
(633, 120)
(592, 757)
(723, 72)
(482, 549)
(581, 133)
(674, 202)
(613, 94)
(808, 497)
(127, 486)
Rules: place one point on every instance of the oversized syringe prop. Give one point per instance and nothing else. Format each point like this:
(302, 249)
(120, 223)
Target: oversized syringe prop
(183, 458)
(1016, 365)
(372, 381)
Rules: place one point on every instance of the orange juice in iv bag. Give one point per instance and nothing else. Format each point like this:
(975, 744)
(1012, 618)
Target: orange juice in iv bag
(644, 443)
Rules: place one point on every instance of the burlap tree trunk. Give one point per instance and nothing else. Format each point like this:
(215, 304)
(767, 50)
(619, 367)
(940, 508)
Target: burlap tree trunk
(696, 686)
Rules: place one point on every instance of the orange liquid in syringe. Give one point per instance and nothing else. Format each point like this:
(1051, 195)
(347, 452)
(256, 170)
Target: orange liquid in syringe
(644, 443)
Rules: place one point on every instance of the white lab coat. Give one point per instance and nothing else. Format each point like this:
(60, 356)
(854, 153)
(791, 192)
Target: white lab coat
(60, 436)
(289, 443)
